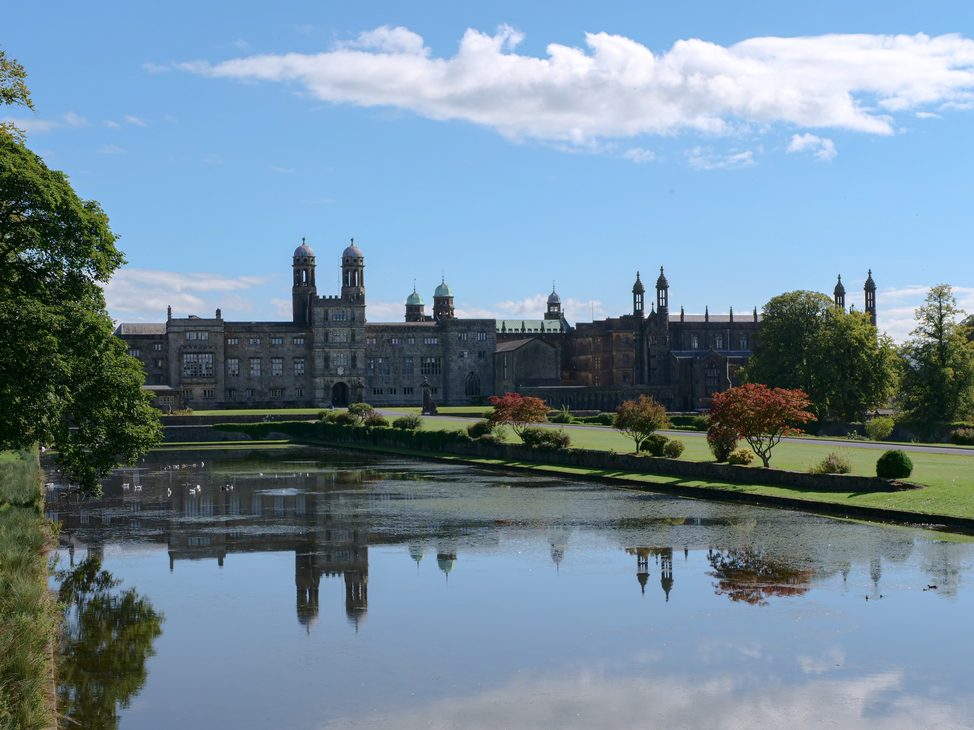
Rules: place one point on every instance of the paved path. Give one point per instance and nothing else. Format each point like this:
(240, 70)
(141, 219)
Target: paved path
(843, 443)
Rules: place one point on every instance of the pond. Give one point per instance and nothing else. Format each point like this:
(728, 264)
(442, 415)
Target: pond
(301, 588)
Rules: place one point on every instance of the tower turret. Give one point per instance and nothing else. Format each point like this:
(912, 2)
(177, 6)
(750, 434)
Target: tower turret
(415, 307)
(443, 302)
(353, 274)
(662, 291)
(303, 291)
(638, 291)
(554, 305)
(839, 293)
(870, 289)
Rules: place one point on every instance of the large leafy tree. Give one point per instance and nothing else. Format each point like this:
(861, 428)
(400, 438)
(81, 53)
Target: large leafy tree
(760, 415)
(65, 380)
(938, 370)
(639, 419)
(518, 411)
(838, 358)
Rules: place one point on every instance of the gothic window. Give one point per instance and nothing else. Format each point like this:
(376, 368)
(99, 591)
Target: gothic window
(744, 342)
(718, 342)
(694, 342)
(472, 385)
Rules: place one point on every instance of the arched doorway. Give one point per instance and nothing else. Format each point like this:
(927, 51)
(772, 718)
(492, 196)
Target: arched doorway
(339, 395)
(471, 386)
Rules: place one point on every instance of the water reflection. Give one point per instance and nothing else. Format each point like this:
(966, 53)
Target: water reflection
(107, 637)
(488, 596)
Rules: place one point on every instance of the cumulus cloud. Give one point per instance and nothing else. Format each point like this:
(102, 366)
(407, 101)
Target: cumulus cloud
(822, 148)
(704, 158)
(36, 125)
(639, 155)
(138, 122)
(896, 308)
(143, 294)
(617, 87)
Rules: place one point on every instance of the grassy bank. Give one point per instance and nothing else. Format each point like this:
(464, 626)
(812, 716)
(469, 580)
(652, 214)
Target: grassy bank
(28, 617)
(948, 480)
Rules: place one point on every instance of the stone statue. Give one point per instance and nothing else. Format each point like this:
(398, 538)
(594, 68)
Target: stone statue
(429, 405)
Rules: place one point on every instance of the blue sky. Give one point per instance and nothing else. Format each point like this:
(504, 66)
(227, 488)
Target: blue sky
(750, 148)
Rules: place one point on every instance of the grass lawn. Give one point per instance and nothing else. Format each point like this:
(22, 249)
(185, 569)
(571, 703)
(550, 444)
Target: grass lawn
(948, 479)
(27, 612)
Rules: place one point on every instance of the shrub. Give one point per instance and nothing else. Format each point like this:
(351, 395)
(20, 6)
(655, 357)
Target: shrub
(375, 420)
(740, 457)
(545, 438)
(721, 440)
(360, 410)
(344, 419)
(409, 422)
(654, 444)
(832, 464)
(605, 419)
(700, 423)
(328, 416)
(880, 428)
(673, 449)
(480, 429)
(561, 416)
(962, 436)
(894, 464)
(854, 436)
(490, 438)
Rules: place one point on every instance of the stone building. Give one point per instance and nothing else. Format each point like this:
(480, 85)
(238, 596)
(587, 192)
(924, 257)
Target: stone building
(328, 354)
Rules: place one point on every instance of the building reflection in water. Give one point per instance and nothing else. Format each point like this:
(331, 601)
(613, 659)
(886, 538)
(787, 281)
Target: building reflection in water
(328, 514)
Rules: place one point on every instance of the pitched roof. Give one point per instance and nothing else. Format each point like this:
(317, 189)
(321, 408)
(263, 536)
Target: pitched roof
(140, 328)
(512, 345)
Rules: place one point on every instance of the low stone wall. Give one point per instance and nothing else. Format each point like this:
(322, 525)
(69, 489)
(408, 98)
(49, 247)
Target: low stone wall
(459, 445)
(195, 434)
(191, 420)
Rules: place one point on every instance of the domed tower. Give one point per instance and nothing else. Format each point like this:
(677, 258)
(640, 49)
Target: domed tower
(638, 291)
(870, 289)
(554, 305)
(839, 293)
(443, 302)
(303, 291)
(414, 307)
(353, 274)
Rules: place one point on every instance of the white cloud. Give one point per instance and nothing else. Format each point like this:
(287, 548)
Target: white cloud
(639, 155)
(111, 149)
(143, 294)
(35, 125)
(822, 148)
(927, 115)
(617, 87)
(241, 45)
(896, 308)
(132, 119)
(704, 158)
(111, 124)
(156, 68)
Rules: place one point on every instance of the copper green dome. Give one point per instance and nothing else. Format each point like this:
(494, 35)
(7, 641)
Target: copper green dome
(443, 290)
(414, 299)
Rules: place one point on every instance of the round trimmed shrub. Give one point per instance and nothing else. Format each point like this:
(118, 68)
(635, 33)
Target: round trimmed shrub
(894, 464)
(654, 444)
(962, 436)
(344, 419)
(721, 440)
(328, 416)
(673, 449)
(409, 422)
(606, 419)
(480, 429)
(545, 438)
(740, 457)
(490, 438)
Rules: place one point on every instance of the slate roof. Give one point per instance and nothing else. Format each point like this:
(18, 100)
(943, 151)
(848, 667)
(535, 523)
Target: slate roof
(140, 328)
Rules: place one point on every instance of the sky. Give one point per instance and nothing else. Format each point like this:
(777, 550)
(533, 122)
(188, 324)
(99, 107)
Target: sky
(749, 148)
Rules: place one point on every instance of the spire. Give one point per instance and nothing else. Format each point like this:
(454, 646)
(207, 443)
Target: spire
(637, 287)
(706, 313)
(732, 314)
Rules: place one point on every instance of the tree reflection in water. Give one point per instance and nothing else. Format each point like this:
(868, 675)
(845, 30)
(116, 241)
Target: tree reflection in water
(748, 575)
(107, 637)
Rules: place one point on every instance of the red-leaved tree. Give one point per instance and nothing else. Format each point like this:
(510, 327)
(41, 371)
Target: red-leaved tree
(517, 411)
(762, 416)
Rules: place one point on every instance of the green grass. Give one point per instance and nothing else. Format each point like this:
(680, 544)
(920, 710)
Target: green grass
(28, 617)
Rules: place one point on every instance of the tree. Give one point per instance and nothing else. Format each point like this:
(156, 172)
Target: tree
(65, 380)
(938, 362)
(13, 91)
(517, 410)
(838, 358)
(762, 416)
(107, 637)
(639, 419)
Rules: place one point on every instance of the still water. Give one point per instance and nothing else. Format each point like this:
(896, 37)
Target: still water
(318, 589)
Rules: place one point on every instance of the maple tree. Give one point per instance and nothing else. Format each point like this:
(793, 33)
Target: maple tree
(517, 411)
(639, 419)
(760, 415)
